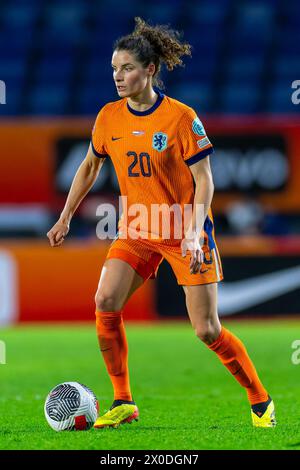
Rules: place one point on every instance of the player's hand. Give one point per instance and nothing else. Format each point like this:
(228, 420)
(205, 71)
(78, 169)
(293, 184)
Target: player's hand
(197, 255)
(58, 233)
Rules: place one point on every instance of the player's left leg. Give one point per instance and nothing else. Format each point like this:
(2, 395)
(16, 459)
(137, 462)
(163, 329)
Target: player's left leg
(201, 302)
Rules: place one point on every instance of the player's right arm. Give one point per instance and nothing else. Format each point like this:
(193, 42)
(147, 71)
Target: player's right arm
(83, 181)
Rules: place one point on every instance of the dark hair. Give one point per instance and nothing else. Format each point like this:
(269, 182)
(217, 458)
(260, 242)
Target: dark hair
(157, 44)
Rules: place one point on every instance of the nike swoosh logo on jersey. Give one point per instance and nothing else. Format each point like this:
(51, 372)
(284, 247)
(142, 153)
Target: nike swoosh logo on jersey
(116, 138)
(240, 295)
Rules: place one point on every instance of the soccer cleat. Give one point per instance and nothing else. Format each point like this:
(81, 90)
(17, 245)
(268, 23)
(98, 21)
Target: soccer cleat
(120, 412)
(263, 414)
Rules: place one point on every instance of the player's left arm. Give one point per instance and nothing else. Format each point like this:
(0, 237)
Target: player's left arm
(204, 189)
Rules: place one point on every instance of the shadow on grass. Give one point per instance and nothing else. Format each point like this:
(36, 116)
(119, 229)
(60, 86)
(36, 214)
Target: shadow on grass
(295, 444)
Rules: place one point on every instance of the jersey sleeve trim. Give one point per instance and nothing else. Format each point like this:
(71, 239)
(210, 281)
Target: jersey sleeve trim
(199, 156)
(97, 154)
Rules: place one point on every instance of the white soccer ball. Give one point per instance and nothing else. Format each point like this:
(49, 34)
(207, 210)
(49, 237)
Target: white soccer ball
(71, 406)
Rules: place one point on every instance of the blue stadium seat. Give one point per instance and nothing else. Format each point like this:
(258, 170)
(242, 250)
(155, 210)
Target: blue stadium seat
(248, 41)
(97, 80)
(195, 94)
(12, 108)
(67, 39)
(54, 70)
(56, 52)
(100, 44)
(64, 38)
(96, 69)
(290, 13)
(14, 82)
(289, 41)
(11, 68)
(14, 45)
(58, 15)
(192, 70)
(76, 4)
(249, 48)
(280, 98)
(114, 15)
(204, 39)
(251, 32)
(164, 13)
(47, 100)
(19, 16)
(31, 3)
(240, 98)
(287, 67)
(90, 101)
(103, 37)
(255, 14)
(100, 83)
(208, 13)
(64, 26)
(244, 67)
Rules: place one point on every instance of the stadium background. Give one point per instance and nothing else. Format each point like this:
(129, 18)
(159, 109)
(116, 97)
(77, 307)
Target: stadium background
(55, 64)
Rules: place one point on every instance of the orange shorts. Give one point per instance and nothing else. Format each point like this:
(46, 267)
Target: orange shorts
(145, 258)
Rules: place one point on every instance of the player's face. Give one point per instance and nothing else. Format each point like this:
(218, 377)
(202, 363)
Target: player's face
(129, 75)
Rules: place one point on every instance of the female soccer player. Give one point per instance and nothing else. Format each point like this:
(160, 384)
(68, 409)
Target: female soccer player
(160, 153)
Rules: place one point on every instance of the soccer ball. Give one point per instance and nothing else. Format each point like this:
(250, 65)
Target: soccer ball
(71, 406)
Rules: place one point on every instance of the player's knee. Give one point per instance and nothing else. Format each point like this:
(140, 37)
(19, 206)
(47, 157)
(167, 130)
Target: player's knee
(207, 332)
(107, 303)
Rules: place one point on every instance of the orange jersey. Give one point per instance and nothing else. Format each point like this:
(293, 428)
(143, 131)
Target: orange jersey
(151, 152)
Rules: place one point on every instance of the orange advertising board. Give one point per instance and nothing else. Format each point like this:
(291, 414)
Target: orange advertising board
(40, 283)
(256, 156)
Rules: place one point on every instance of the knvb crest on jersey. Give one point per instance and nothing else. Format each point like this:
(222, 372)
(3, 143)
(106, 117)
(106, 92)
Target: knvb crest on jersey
(198, 127)
(160, 141)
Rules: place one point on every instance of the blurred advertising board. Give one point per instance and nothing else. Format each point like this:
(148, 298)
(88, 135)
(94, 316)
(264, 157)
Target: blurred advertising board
(261, 278)
(43, 284)
(253, 156)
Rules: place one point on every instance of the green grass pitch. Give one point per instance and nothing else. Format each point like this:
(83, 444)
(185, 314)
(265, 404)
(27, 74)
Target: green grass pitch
(187, 399)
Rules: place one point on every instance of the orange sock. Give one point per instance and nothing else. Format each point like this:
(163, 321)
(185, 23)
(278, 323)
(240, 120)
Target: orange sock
(233, 355)
(114, 348)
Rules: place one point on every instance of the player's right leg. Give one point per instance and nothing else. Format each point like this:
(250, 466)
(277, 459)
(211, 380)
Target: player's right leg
(117, 283)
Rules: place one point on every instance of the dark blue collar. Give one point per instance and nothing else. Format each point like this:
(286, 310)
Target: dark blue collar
(150, 110)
